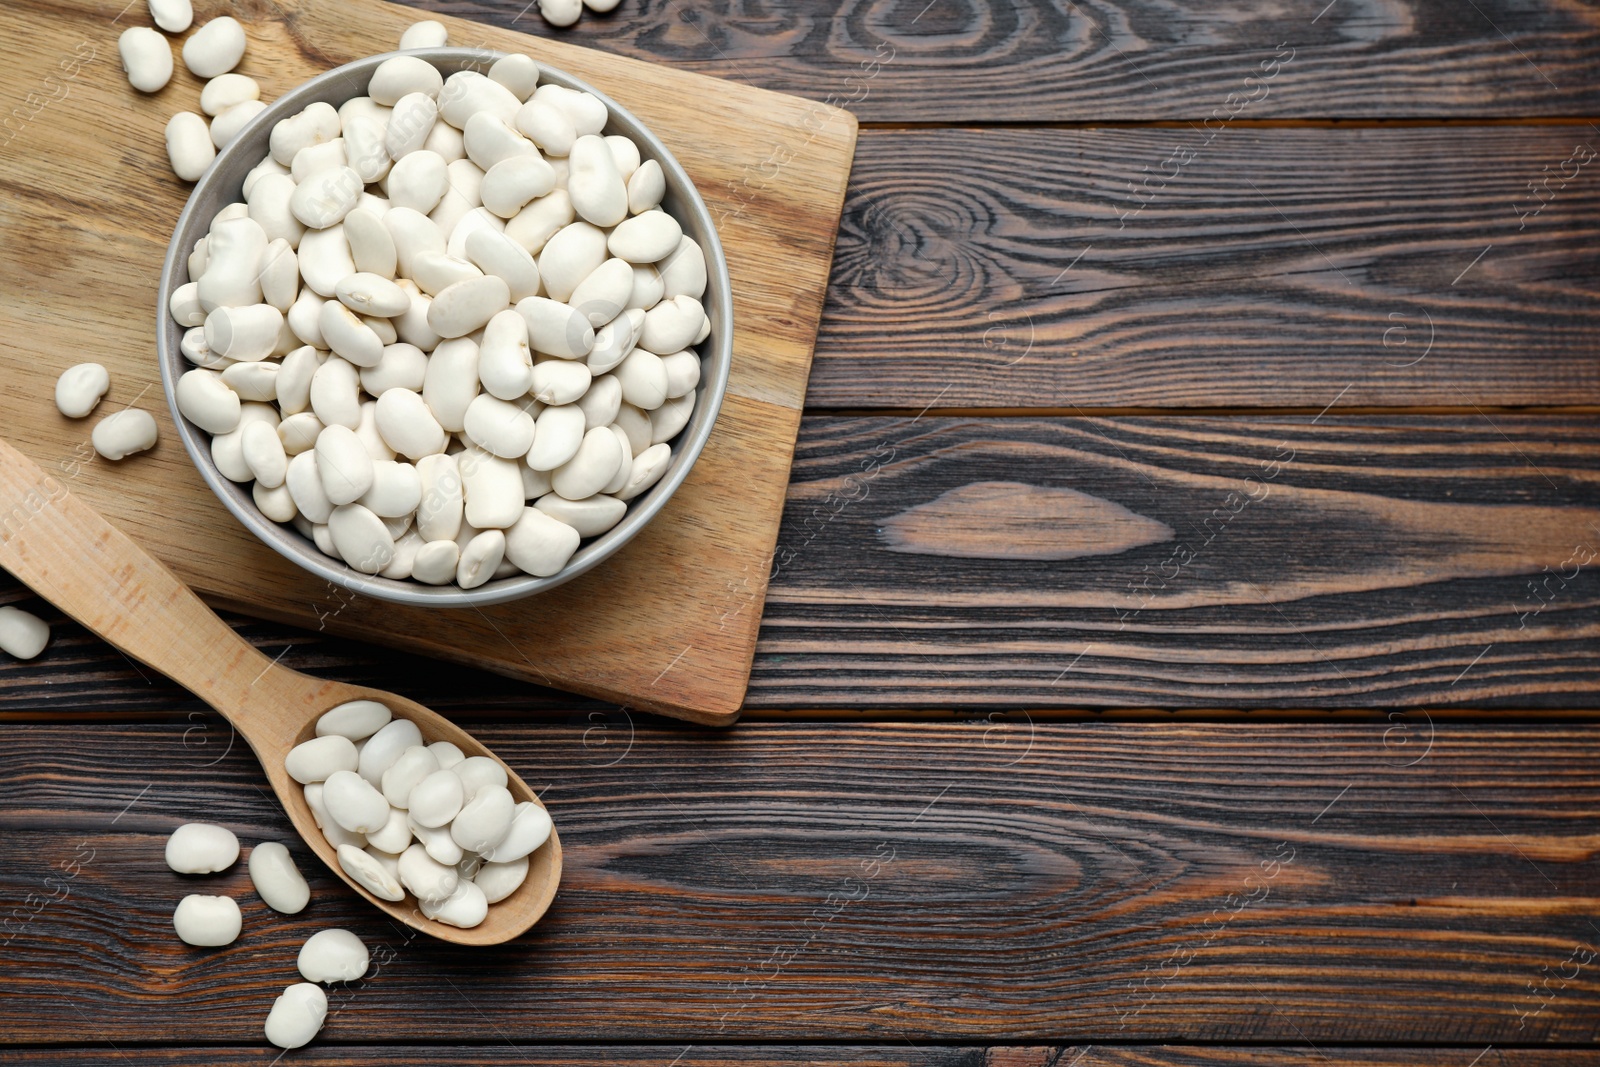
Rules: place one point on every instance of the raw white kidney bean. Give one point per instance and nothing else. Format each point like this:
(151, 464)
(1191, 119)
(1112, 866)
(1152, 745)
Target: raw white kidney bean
(227, 90)
(466, 907)
(207, 922)
(312, 161)
(683, 373)
(371, 294)
(672, 325)
(436, 841)
(646, 187)
(255, 382)
(683, 273)
(480, 557)
(296, 1016)
(332, 956)
(467, 93)
(636, 424)
(446, 142)
(478, 772)
(468, 305)
(499, 880)
(371, 246)
(280, 278)
(147, 58)
(189, 146)
(80, 388)
(371, 439)
(535, 224)
(174, 16)
(558, 434)
(394, 836)
(505, 363)
(385, 746)
(614, 341)
(199, 257)
(601, 401)
(436, 799)
(229, 213)
(647, 237)
(499, 426)
(559, 381)
(349, 336)
(647, 287)
(648, 467)
(518, 73)
(227, 449)
(361, 538)
(540, 544)
(205, 401)
(440, 512)
(353, 803)
(530, 828)
(570, 256)
(390, 862)
(336, 834)
(490, 139)
(418, 181)
(326, 197)
(304, 316)
(556, 328)
(356, 720)
(336, 390)
(511, 184)
(436, 562)
(624, 153)
(588, 472)
(317, 124)
(407, 425)
(619, 479)
(196, 351)
(277, 880)
(396, 490)
(261, 170)
(319, 758)
(413, 765)
(264, 454)
(492, 252)
(414, 115)
(436, 271)
(448, 754)
(366, 146)
(245, 334)
(603, 295)
(590, 518)
(587, 113)
(325, 261)
(293, 384)
(276, 504)
(345, 468)
(484, 819)
(644, 379)
(269, 206)
(668, 420)
(535, 484)
(492, 490)
(426, 877)
(215, 48)
(546, 126)
(401, 76)
(299, 433)
(451, 382)
(201, 848)
(228, 125)
(428, 33)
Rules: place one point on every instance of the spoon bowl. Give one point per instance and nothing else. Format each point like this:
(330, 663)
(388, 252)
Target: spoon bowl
(63, 550)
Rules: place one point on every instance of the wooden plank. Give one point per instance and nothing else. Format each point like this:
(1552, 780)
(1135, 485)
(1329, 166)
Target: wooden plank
(485, 1055)
(878, 883)
(1120, 59)
(1187, 562)
(87, 187)
(1046, 268)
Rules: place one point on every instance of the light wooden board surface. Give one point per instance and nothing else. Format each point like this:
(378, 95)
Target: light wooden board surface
(87, 205)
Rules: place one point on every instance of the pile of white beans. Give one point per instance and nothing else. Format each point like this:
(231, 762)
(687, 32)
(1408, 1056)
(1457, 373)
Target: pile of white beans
(450, 331)
(404, 815)
(327, 956)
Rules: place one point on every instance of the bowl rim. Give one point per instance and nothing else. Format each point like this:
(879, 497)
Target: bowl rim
(716, 356)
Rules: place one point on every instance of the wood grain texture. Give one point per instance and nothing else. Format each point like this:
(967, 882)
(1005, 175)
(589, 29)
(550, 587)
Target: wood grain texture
(87, 187)
(500, 1055)
(1355, 561)
(1037, 60)
(1105, 268)
(882, 884)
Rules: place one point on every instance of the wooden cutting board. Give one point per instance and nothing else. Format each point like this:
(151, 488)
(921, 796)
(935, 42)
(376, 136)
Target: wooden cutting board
(88, 205)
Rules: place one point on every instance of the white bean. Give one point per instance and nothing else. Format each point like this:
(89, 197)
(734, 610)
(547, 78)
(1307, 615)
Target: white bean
(278, 882)
(201, 848)
(671, 417)
(280, 278)
(227, 90)
(440, 512)
(147, 58)
(570, 256)
(174, 16)
(505, 364)
(540, 544)
(335, 392)
(559, 381)
(468, 305)
(207, 922)
(371, 246)
(189, 146)
(535, 224)
(466, 93)
(484, 819)
(326, 197)
(297, 1015)
(332, 956)
(466, 907)
(356, 720)
(317, 124)
(436, 841)
(315, 760)
(436, 799)
(518, 73)
(399, 77)
(590, 517)
(22, 635)
(646, 187)
(246, 334)
(480, 557)
(683, 273)
(402, 776)
(385, 746)
(492, 489)
(428, 33)
(215, 48)
(451, 382)
(228, 125)
(80, 388)
(360, 537)
(501, 427)
(558, 434)
(587, 113)
(530, 829)
(353, 803)
(672, 325)
(264, 454)
(299, 433)
(204, 400)
(499, 880)
(603, 295)
(648, 467)
(588, 472)
(647, 237)
(395, 834)
(346, 471)
(325, 260)
(561, 12)
(644, 379)
(414, 115)
(556, 328)
(492, 252)
(425, 876)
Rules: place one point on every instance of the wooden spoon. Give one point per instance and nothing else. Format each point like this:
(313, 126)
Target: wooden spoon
(67, 553)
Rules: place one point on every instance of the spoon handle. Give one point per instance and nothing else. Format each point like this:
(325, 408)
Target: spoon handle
(62, 549)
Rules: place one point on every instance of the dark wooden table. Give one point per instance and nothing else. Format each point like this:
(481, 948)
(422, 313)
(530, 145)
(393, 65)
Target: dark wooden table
(1185, 635)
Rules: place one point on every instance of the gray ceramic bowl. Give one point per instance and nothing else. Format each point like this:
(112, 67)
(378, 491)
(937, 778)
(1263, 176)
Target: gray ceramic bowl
(222, 186)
